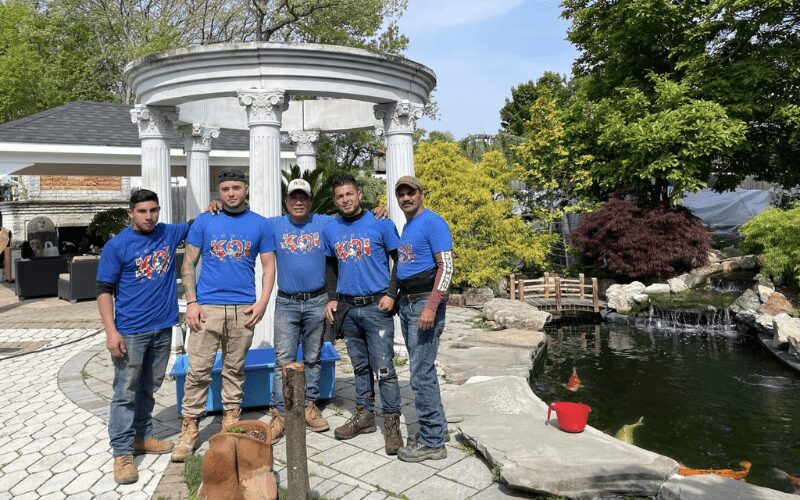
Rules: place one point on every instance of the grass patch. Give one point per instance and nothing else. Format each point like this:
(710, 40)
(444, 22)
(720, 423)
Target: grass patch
(391, 493)
(336, 410)
(193, 474)
(84, 374)
(400, 361)
(496, 476)
(456, 345)
(467, 449)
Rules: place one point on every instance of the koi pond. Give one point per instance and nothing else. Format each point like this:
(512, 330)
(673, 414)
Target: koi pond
(709, 399)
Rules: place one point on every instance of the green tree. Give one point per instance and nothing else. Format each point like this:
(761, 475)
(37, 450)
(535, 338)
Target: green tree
(517, 110)
(773, 234)
(488, 240)
(108, 223)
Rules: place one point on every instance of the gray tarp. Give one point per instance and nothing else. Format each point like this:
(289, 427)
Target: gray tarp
(725, 212)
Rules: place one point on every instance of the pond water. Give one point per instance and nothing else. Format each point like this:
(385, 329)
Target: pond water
(708, 400)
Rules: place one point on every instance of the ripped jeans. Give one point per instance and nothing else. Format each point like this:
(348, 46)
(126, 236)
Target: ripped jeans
(369, 337)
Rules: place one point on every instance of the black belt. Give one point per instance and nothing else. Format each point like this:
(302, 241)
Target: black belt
(359, 301)
(301, 295)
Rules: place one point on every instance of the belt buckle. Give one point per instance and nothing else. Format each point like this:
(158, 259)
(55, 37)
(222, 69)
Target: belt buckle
(359, 301)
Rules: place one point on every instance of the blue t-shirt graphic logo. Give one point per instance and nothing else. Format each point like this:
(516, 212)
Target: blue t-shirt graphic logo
(156, 263)
(304, 242)
(406, 253)
(234, 249)
(355, 249)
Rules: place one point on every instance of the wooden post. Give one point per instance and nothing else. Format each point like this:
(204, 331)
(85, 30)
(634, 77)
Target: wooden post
(558, 293)
(582, 284)
(294, 396)
(546, 290)
(522, 289)
(595, 296)
(511, 291)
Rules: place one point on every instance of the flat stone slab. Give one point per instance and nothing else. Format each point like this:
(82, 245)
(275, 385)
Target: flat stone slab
(539, 457)
(512, 337)
(460, 364)
(711, 487)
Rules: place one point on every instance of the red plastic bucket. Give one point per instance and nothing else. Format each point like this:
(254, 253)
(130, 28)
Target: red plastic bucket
(571, 416)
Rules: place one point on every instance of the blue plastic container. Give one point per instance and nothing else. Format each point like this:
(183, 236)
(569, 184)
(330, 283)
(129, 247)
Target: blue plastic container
(259, 370)
(328, 358)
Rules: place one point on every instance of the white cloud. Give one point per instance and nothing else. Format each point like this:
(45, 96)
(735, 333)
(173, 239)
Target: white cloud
(431, 14)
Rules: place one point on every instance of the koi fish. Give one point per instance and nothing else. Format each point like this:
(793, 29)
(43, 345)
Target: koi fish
(793, 480)
(729, 473)
(573, 383)
(626, 432)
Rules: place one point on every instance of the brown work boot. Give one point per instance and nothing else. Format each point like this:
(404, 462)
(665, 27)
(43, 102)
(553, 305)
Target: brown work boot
(314, 419)
(230, 417)
(152, 446)
(187, 441)
(391, 429)
(277, 425)
(361, 422)
(125, 470)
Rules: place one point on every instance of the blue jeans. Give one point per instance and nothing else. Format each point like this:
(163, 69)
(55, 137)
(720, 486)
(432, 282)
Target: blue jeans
(369, 337)
(422, 349)
(137, 375)
(298, 321)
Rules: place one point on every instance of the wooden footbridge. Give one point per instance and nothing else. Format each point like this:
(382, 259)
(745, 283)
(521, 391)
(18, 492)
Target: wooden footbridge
(554, 293)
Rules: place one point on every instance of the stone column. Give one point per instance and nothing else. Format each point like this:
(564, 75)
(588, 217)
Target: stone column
(198, 183)
(264, 112)
(156, 128)
(399, 122)
(305, 148)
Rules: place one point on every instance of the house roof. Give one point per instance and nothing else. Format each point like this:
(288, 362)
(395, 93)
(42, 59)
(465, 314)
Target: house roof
(98, 124)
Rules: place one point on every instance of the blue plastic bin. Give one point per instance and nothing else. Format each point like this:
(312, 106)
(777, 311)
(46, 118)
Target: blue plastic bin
(328, 358)
(259, 369)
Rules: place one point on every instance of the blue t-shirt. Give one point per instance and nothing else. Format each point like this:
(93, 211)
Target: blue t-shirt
(362, 251)
(228, 247)
(142, 268)
(423, 236)
(299, 252)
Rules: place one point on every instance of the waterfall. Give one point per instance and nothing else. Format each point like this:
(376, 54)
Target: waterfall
(711, 321)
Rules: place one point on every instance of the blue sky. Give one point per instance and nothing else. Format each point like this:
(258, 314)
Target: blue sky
(479, 49)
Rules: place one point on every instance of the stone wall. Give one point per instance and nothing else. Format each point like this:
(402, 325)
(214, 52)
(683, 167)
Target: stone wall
(76, 188)
(16, 214)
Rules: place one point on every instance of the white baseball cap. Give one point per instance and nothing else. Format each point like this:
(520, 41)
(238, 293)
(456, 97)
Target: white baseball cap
(299, 185)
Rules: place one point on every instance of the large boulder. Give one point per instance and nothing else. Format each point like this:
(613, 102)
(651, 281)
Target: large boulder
(678, 283)
(764, 280)
(776, 304)
(699, 275)
(658, 288)
(623, 298)
(714, 256)
(747, 301)
(749, 262)
(711, 487)
(507, 423)
(731, 265)
(461, 364)
(785, 328)
(515, 314)
(745, 320)
(765, 323)
(512, 337)
(477, 297)
(764, 293)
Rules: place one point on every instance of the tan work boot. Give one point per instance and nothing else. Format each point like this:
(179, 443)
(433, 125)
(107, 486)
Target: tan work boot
(392, 438)
(152, 446)
(361, 422)
(230, 417)
(277, 425)
(187, 441)
(314, 419)
(125, 470)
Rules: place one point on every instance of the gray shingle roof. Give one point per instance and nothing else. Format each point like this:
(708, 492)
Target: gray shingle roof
(97, 124)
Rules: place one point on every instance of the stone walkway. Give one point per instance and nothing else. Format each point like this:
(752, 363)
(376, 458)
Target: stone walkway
(55, 382)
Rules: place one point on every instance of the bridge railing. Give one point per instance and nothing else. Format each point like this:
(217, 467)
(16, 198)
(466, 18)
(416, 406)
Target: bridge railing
(554, 287)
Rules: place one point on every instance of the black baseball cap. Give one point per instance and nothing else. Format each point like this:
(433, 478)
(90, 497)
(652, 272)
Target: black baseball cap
(231, 174)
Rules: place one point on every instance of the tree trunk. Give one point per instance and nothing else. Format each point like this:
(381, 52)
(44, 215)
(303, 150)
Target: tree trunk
(294, 395)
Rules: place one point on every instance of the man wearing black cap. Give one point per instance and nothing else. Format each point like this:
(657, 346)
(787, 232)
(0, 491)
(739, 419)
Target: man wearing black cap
(424, 271)
(222, 306)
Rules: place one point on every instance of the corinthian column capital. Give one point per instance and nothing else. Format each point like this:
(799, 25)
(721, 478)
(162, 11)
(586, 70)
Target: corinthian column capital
(154, 121)
(264, 107)
(198, 137)
(305, 142)
(398, 117)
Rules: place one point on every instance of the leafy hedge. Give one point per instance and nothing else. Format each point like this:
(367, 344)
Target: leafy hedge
(774, 235)
(636, 241)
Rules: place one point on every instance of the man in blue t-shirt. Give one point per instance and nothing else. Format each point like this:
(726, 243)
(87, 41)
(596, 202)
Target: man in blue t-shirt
(424, 272)
(137, 268)
(221, 307)
(300, 305)
(358, 247)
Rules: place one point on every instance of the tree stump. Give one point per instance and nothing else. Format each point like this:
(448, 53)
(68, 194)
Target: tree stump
(294, 396)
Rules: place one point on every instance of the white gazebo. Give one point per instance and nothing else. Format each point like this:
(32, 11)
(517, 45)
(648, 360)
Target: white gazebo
(195, 92)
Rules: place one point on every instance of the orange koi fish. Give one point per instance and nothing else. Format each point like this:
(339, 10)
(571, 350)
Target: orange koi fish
(574, 383)
(729, 473)
(793, 480)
